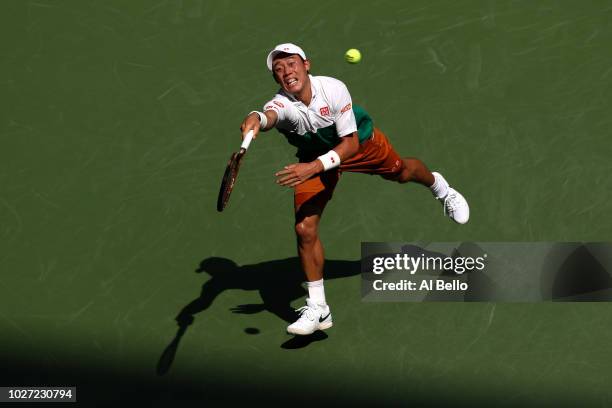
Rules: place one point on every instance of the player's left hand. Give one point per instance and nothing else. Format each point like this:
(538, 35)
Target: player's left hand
(297, 173)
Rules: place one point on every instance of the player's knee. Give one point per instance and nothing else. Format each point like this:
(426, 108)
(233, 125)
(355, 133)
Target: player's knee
(306, 231)
(403, 175)
(409, 169)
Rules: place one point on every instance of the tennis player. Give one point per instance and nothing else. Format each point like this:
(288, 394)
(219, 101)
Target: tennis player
(316, 115)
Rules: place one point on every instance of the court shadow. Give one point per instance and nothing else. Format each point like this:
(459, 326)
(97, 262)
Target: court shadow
(278, 283)
(577, 272)
(298, 342)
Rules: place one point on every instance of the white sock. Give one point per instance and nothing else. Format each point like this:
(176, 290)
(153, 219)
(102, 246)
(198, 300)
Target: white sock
(440, 187)
(316, 292)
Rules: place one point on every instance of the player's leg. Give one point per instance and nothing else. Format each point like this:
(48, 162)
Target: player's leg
(415, 170)
(377, 156)
(310, 200)
(310, 249)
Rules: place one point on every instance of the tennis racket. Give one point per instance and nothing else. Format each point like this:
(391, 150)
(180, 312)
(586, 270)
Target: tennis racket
(231, 172)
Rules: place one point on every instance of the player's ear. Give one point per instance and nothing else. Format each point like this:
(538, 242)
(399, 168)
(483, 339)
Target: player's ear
(307, 65)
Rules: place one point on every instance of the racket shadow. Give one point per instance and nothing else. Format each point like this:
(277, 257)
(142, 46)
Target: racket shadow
(279, 283)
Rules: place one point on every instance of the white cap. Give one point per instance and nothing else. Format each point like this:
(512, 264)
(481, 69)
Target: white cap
(286, 48)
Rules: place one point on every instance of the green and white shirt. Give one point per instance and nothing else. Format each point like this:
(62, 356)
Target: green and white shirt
(318, 127)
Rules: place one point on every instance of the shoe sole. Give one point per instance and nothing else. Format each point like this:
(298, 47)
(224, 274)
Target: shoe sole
(322, 326)
(325, 326)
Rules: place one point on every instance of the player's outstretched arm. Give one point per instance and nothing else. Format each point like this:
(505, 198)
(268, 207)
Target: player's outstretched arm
(297, 173)
(257, 121)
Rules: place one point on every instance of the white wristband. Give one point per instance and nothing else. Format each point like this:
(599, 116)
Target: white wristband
(263, 119)
(330, 160)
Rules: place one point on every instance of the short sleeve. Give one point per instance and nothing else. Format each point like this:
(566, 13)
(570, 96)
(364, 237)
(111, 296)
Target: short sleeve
(277, 106)
(283, 108)
(343, 108)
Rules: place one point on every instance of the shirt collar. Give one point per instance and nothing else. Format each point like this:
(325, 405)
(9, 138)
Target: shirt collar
(313, 88)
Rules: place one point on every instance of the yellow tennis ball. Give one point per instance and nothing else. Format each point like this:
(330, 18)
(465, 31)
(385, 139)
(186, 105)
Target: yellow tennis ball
(352, 56)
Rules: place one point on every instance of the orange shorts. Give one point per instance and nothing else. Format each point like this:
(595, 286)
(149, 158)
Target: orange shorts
(375, 156)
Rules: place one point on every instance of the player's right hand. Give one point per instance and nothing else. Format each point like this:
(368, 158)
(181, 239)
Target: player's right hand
(251, 122)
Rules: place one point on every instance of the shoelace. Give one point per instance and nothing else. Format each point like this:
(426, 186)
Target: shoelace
(306, 311)
(449, 204)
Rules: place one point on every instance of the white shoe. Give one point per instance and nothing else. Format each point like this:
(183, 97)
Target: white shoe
(313, 317)
(455, 206)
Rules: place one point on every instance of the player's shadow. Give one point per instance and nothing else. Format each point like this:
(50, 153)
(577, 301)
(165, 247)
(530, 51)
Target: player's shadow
(278, 283)
(577, 272)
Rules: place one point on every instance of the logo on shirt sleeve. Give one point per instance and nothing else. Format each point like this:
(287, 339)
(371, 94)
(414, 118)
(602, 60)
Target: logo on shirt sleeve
(347, 107)
(324, 111)
(277, 103)
(268, 107)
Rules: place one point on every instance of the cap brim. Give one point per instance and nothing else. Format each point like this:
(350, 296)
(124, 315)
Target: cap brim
(271, 56)
(274, 53)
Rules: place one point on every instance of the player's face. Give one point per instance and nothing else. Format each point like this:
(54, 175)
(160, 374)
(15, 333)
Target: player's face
(291, 73)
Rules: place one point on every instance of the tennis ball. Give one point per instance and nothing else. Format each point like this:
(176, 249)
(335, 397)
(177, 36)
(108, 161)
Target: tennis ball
(352, 56)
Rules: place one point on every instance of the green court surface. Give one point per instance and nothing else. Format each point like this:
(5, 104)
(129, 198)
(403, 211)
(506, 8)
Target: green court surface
(117, 121)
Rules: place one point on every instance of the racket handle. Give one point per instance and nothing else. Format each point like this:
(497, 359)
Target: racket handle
(247, 140)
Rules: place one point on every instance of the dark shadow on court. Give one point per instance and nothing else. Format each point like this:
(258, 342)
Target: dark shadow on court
(577, 272)
(278, 283)
(298, 342)
(115, 383)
